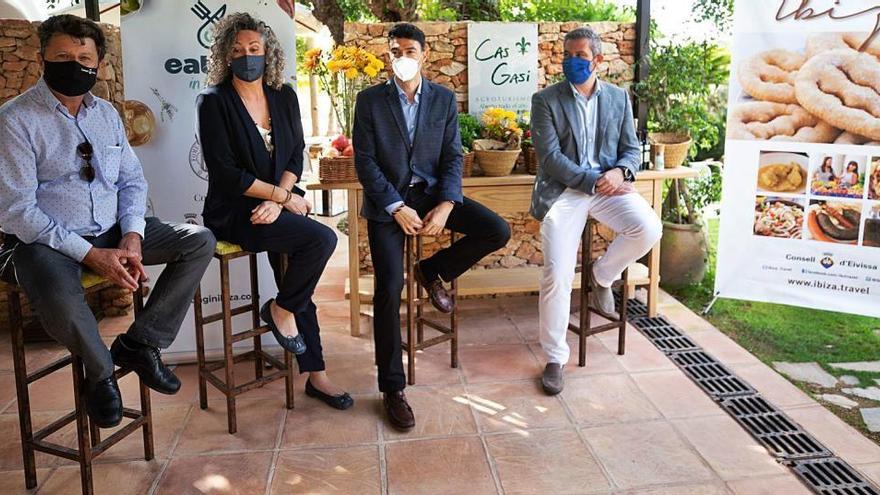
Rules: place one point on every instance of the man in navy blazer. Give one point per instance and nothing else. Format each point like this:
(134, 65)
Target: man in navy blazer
(408, 158)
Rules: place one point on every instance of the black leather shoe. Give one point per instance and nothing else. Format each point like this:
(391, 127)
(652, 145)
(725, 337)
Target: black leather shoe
(104, 402)
(146, 361)
(341, 402)
(295, 344)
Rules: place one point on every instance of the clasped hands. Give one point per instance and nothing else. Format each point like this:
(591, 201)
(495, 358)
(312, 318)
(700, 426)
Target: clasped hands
(268, 211)
(613, 183)
(432, 224)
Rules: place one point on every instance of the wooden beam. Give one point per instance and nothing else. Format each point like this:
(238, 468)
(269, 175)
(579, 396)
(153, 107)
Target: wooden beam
(93, 12)
(643, 32)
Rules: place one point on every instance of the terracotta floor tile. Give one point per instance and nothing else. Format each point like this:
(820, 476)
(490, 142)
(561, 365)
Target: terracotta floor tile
(724, 348)
(434, 366)
(338, 340)
(698, 489)
(7, 390)
(438, 466)
(244, 372)
(644, 454)
(675, 395)
(499, 363)
(728, 449)
(516, 406)
(684, 318)
(773, 386)
(439, 411)
(355, 373)
(314, 424)
(605, 399)
(12, 482)
(10, 448)
(487, 327)
(789, 484)
(599, 360)
(53, 392)
(641, 355)
(838, 436)
(206, 430)
(353, 470)
(36, 355)
(129, 478)
(235, 474)
(554, 461)
(168, 424)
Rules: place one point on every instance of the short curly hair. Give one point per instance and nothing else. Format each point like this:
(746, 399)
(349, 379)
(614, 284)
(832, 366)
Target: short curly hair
(73, 26)
(224, 38)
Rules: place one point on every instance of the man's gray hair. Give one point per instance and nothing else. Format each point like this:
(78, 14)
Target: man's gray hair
(582, 33)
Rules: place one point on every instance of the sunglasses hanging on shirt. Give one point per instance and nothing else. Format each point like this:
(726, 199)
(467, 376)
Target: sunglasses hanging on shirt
(85, 151)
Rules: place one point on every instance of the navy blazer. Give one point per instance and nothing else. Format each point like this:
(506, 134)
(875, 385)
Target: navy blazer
(386, 160)
(236, 155)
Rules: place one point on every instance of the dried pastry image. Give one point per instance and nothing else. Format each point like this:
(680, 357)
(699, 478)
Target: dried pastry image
(140, 123)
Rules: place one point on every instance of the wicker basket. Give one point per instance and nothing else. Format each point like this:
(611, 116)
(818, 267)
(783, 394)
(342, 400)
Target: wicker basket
(497, 163)
(339, 169)
(467, 165)
(531, 158)
(676, 147)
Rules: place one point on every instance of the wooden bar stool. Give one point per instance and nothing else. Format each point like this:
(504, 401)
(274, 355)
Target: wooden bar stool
(584, 329)
(226, 252)
(416, 321)
(89, 443)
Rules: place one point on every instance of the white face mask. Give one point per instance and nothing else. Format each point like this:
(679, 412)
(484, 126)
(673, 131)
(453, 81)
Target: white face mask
(405, 68)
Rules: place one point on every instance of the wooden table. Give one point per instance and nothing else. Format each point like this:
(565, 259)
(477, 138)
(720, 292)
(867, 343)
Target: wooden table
(510, 194)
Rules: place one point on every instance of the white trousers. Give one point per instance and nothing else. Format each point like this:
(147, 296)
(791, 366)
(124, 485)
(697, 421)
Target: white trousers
(638, 229)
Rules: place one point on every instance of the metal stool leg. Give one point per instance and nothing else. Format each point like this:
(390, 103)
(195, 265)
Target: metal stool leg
(225, 294)
(82, 428)
(198, 316)
(21, 387)
(410, 310)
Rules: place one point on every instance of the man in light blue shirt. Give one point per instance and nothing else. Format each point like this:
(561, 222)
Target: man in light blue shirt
(73, 193)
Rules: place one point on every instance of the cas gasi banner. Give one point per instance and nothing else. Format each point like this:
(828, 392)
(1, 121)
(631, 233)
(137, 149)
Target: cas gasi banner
(165, 46)
(502, 66)
(800, 218)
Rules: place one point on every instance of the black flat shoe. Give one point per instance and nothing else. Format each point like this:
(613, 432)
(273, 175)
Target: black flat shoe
(295, 344)
(341, 402)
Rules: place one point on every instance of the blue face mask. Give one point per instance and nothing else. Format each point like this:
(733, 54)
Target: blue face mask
(576, 70)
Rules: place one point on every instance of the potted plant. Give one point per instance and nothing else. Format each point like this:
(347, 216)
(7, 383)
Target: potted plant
(342, 72)
(530, 157)
(684, 249)
(469, 128)
(500, 145)
(680, 93)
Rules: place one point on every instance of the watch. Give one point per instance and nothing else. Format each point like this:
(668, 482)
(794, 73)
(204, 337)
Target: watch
(627, 174)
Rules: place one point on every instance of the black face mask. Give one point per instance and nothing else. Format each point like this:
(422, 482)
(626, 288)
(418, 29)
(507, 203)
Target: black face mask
(69, 78)
(248, 67)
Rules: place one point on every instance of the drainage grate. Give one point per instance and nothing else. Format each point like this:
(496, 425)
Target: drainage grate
(664, 335)
(634, 307)
(710, 375)
(832, 476)
(783, 437)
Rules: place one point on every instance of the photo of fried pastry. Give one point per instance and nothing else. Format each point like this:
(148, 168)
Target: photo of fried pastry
(818, 88)
(140, 123)
(834, 221)
(782, 172)
(872, 227)
(778, 217)
(840, 176)
(874, 179)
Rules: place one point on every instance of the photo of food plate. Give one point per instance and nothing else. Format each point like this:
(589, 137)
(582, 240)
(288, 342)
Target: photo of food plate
(782, 172)
(832, 221)
(778, 217)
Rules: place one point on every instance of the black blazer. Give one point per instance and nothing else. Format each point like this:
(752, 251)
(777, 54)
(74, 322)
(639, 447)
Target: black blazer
(235, 154)
(386, 160)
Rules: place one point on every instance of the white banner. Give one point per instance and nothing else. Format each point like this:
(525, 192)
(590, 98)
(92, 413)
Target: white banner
(165, 48)
(800, 218)
(502, 66)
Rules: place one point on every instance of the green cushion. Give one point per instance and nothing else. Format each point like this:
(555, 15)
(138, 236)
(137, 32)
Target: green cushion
(225, 248)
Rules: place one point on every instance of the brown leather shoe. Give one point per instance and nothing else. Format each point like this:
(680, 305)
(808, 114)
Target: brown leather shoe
(440, 297)
(399, 413)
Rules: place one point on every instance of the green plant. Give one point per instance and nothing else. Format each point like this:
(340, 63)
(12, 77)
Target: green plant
(687, 199)
(469, 127)
(564, 11)
(681, 91)
(719, 12)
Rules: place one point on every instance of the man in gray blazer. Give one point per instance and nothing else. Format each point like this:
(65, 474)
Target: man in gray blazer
(583, 132)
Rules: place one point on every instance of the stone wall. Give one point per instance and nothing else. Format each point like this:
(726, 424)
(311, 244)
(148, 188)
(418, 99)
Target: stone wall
(19, 46)
(448, 66)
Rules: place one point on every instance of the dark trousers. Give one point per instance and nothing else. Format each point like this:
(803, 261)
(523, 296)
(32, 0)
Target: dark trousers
(484, 232)
(307, 246)
(51, 281)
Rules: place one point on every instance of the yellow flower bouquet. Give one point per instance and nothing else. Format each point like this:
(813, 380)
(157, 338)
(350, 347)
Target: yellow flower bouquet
(343, 72)
(499, 147)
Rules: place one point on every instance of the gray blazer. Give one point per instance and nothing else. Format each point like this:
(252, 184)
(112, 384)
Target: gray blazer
(556, 132)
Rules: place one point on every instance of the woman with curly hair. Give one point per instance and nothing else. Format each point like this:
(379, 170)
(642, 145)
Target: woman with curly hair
(252, 140)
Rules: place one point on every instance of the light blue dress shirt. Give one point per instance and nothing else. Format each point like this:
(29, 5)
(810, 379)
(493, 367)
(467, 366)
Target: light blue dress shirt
(588, 114)
(410, 115)
(43, 199)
